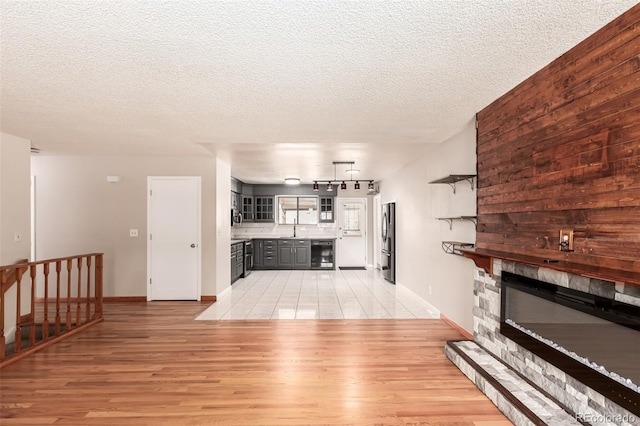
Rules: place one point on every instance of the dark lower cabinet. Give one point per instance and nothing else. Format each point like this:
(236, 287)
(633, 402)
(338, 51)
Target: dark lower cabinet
(294, 254)
(302, 255)
(237, 261)
(265, 254)
(258, 254)
(285, 254)
(282, 253)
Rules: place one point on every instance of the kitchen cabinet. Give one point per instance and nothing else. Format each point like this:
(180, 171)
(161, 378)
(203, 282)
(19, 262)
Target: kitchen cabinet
(265, 254)
(285, 254)
(302, 254)
(270, 254)
(326, 210)
(237, 261)
(264, 208)
(294, 254)
(247, 208)
(258, 254)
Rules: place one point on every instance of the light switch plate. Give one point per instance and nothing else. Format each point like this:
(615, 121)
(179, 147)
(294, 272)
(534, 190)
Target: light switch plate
(133, 233)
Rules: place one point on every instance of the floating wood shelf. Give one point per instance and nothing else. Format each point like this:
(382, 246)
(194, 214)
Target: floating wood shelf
(451, 180)
(450, 220)
(483, 258)
(453, 247)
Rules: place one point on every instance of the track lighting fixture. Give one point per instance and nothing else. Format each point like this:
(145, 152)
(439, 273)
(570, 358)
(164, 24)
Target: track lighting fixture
(342, 182)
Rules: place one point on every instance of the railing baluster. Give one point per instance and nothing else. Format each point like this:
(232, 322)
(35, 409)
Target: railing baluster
(68, 318)
(79, 298)
(45, 322)
(3, 280)
(88, 315)
(58, 285)
(18, 338)
(98, 290)
(32, 325)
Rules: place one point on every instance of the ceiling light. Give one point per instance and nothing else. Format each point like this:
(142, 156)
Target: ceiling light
(342, 182)
(292, 181)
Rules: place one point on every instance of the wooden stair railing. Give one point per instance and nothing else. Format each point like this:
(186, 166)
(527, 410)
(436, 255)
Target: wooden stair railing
(13, 275)
(77, 303)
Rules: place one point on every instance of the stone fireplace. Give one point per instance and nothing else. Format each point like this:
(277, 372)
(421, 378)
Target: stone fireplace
(520, 339)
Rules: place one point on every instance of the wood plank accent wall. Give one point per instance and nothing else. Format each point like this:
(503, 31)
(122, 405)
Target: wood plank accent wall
(562, 151)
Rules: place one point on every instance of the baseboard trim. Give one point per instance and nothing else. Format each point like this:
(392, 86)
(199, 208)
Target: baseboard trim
(453, 324)
(125, 299)
(208, 298)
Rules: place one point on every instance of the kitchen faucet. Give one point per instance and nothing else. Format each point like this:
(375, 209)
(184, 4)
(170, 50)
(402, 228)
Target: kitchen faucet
(294, 228)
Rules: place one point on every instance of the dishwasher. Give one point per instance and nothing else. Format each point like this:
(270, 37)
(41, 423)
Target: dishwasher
(322, 254)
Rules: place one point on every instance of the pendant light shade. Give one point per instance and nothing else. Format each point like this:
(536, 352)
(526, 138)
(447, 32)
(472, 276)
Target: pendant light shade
(356, 186)
(343, 185)
(370, 186)
(315, 186)
(329, 186)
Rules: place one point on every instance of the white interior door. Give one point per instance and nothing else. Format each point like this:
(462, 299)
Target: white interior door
(352, 235)
(174, 238)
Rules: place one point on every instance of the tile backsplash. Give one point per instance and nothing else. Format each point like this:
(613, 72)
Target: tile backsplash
(266, 230)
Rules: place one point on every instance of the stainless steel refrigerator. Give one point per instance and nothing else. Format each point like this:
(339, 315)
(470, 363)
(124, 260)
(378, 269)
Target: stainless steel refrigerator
(389, 242)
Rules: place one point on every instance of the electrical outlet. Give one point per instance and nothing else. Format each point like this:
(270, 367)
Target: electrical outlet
(133, 233)
(430, 291)
(566, 240)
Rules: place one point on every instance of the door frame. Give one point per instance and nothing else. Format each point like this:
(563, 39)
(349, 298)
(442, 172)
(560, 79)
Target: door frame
(339, 201)
(377, 225)
(198, 180)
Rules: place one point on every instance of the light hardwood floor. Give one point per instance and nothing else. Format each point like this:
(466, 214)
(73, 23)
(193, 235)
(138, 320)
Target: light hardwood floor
(153, 364)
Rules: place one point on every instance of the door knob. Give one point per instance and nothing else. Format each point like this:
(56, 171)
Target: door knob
(193, 246)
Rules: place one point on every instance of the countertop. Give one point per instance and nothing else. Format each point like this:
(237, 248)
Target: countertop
(267, 237)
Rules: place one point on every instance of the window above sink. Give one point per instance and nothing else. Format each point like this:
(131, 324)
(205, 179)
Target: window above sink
(297, 210)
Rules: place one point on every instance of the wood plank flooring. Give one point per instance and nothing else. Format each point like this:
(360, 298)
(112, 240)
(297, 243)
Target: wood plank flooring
(151, 363)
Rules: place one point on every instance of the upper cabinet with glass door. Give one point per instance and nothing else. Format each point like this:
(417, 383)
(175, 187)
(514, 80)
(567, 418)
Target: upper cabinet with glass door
(297, 210)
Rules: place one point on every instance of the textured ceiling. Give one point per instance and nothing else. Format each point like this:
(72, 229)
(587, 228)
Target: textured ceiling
(276, 87)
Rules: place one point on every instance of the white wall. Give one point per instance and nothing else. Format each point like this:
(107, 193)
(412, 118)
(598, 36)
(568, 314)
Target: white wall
(15, 201)
(421, 263)
(223, 227)
(78, 212)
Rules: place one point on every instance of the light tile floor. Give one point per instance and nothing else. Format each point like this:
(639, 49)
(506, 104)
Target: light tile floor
(317, 294)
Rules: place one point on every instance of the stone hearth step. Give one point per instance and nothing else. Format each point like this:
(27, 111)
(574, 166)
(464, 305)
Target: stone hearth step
(518, 399)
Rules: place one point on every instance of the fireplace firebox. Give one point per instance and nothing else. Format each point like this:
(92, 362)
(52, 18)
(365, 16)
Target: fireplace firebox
(591, 338)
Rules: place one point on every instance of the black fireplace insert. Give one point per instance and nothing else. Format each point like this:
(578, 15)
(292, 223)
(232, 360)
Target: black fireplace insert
(594, 339)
